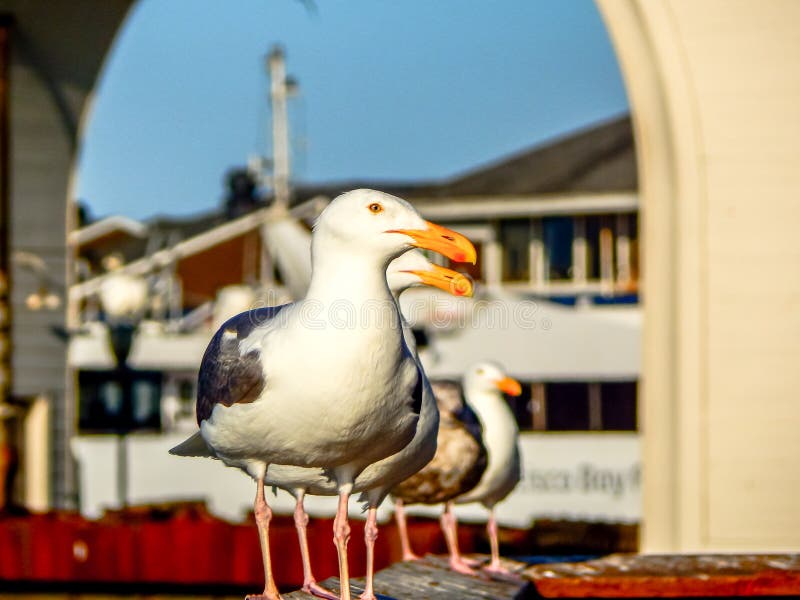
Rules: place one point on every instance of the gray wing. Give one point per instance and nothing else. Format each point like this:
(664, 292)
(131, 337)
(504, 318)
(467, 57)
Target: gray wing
(515, 474)
(460, 458)
(453, 406)
(226, 376)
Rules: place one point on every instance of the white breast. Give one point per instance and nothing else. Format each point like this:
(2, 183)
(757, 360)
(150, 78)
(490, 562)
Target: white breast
(332, 396)
(500, 434)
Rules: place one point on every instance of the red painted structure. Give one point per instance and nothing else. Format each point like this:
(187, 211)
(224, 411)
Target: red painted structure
(186, 546)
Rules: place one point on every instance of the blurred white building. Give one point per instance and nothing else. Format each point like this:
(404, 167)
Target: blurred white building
(714, 96)
(556, 304)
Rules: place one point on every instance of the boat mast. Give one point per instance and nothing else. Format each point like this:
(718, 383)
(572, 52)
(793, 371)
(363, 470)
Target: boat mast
(280, 88)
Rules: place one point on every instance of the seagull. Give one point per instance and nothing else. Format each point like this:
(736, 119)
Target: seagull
(472, 463)
(410, 269)
(324, 381)
(483, 387)
(457, 467)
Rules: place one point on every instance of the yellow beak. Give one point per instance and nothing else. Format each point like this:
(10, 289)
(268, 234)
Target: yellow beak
(442, 240)
(510, 386)
(448, 280)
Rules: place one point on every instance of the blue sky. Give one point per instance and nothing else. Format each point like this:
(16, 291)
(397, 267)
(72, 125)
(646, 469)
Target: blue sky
(408, 90)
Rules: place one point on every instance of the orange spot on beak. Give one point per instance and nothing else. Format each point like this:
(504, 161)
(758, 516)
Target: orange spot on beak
(440, 239)
(448, 280)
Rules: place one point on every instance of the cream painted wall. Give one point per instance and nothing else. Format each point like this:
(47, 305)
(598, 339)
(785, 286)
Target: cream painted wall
(715, 96)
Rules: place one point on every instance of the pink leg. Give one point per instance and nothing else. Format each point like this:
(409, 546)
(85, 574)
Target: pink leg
(491, 529)
(310, 584)
(263, 517)
(370, 535)
(341, 535)
(402, 527)
(495, 567)
(450, 529)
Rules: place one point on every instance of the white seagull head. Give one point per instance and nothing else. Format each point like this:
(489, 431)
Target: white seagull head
(489, 377)
(413, 268)
(381, 225)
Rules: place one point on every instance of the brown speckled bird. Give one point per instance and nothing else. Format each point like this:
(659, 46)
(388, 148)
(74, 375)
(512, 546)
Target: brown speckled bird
(457, 467)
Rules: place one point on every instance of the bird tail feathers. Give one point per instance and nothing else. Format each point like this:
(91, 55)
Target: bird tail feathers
(195, 445)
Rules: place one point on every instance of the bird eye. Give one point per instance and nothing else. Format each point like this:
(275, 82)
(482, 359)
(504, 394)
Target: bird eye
(375, 208)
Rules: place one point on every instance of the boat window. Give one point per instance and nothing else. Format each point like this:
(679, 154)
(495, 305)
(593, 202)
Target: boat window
(114, 401)
(619, 406)
(567, 406)
(576, 406)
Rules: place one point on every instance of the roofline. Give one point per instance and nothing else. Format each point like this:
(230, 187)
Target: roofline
(534, 205)
(540, 146)
(199, 243)
(98, 229)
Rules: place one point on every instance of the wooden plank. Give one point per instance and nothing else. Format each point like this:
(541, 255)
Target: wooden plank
(617, 575)
(430, 579)
(670, 576)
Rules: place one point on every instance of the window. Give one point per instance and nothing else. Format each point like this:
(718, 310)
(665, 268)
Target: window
(111, 397)
(187, 395)
(567, 406)
(576, 406)
(609, 246)
(515, 237)
(557, 234)
(599, 247)
(113, 401)
(619, 406)
(144, 399)
(628, 226)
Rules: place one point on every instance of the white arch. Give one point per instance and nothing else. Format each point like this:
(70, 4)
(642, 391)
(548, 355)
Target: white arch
(705, 81)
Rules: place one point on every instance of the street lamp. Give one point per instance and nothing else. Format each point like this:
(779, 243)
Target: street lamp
(123, 299)
(44, 298)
